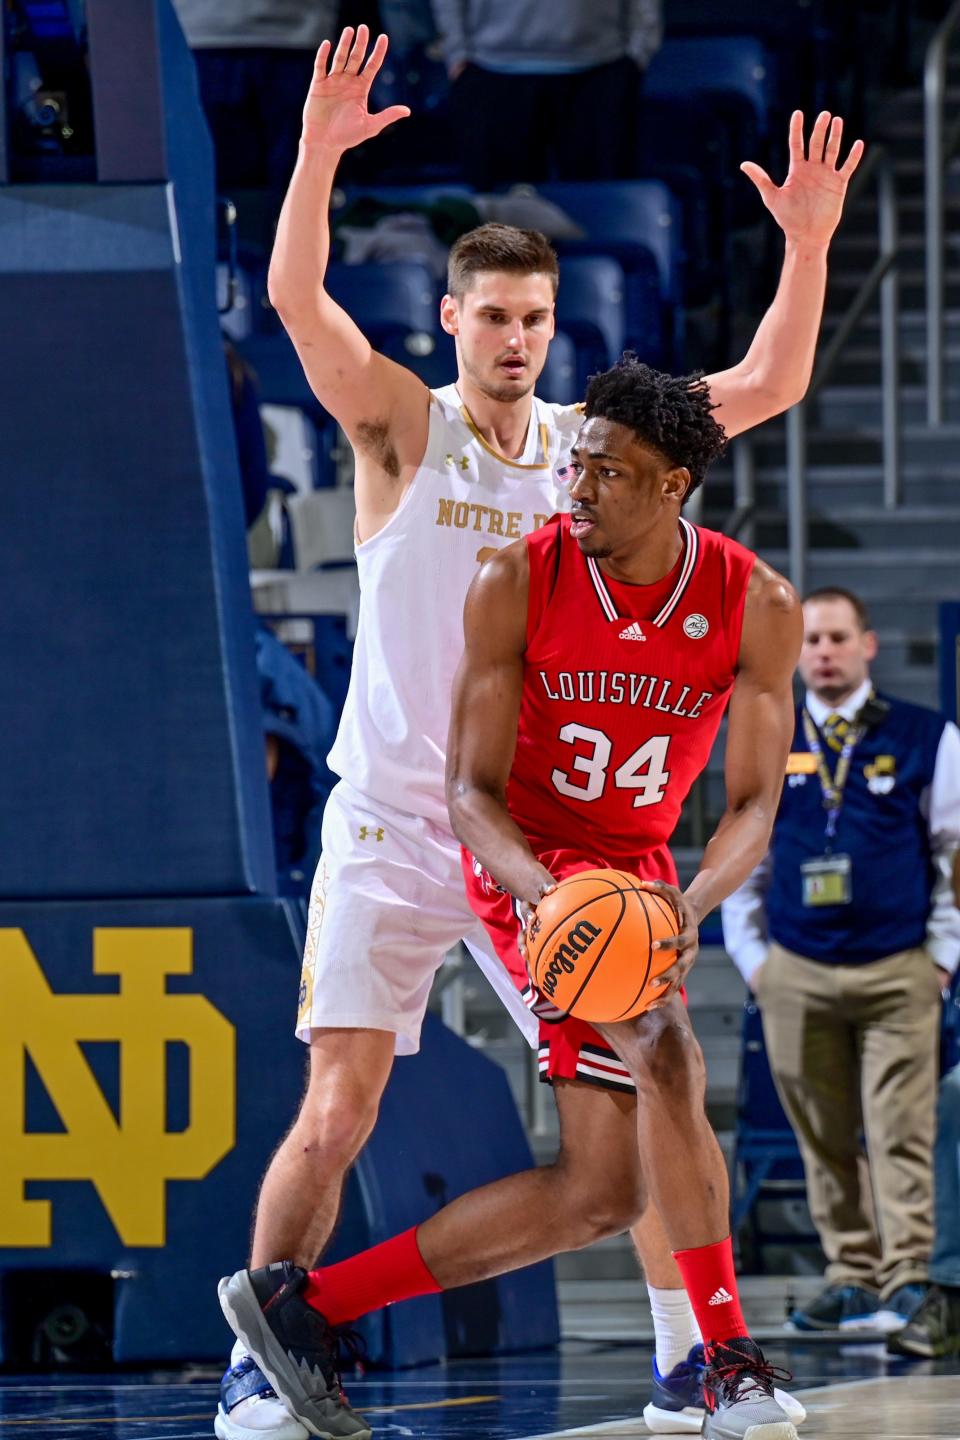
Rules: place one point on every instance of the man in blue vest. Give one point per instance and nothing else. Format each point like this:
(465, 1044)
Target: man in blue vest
(847, 933)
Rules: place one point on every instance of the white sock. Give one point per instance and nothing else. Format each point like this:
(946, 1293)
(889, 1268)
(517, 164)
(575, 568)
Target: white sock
(238, 1352)
(674, 1326)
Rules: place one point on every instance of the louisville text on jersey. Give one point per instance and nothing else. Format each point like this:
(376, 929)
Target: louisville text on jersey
(618, 687)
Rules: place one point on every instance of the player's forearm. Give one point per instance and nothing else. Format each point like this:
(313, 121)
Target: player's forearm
(737, 846)
(302, 246)
(482, 823)
(780, 359)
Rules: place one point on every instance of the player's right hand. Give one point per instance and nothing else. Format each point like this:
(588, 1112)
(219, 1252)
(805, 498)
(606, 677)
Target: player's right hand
(336, 116)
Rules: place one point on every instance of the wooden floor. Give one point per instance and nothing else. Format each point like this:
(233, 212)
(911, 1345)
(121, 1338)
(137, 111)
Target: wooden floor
(591, 1390)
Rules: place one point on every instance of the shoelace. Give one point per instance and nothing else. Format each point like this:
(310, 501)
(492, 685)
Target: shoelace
(738, 1376)
(344, 1341)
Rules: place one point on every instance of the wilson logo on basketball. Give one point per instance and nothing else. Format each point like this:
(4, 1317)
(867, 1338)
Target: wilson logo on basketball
(565, 957)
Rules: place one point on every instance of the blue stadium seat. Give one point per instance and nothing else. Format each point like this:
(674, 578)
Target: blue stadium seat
(390, 303)
(634, 221)
(558, 379)
(766, 1154)
(590, 310)
(734, 71)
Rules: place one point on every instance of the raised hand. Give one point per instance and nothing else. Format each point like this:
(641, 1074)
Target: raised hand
(809, 203)
(336, 116)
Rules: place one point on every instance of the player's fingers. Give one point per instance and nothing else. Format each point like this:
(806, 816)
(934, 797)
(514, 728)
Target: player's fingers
(818, 136)
(795, 138)
(759, 176)
(852, 161)
(834, 136)
(342, 52)
(359, 50)
(375, 58)
(387, 117)
(322, 61)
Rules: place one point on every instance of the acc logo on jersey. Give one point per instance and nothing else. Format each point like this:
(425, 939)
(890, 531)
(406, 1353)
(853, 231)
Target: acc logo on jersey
(696, 626)
(129, 1157)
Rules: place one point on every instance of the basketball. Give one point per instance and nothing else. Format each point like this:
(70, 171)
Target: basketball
(591, 951)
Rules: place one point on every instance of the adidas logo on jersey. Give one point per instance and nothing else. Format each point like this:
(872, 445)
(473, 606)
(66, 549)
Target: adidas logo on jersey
(632, 632)
(721, 1297)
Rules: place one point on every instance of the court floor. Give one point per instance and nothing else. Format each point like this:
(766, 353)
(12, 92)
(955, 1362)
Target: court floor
(590, 1390)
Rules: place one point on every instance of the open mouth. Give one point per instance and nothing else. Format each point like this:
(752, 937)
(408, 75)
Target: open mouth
(581, 524)
(513, 366)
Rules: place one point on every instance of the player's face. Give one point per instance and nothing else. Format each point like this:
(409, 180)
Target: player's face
(503, 325)
(619, 490)
(836, 653)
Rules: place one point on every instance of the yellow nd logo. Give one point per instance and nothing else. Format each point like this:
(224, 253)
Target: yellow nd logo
(128, 1163)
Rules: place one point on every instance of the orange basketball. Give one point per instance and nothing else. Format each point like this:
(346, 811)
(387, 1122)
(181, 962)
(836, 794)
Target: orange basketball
(591, 951)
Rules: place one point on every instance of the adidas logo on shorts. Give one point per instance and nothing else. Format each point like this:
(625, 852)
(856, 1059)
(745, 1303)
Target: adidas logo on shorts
(632, 632)
(721, 1297)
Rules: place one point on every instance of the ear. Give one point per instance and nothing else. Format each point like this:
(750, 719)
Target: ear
(676, 483)
(870, 644)
(449, 315)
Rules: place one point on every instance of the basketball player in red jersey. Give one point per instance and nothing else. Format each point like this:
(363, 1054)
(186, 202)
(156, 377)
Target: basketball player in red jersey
(601, 653)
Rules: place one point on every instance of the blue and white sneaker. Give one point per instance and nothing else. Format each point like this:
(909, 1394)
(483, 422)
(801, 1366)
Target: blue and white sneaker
(677, 1405)
(249, 1408)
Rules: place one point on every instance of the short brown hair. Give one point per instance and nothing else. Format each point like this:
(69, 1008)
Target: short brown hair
(837, 592)
(500, 247)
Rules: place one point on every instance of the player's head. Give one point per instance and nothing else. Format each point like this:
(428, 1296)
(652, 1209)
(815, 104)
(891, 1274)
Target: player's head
(838, 644)
(501, 285)
(644, 447)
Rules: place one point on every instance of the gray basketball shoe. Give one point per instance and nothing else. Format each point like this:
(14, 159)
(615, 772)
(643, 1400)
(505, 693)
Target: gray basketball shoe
(293, 1345)
(738, 1394)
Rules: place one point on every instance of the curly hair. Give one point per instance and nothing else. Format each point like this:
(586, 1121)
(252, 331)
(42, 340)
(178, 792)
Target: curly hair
(669, 413)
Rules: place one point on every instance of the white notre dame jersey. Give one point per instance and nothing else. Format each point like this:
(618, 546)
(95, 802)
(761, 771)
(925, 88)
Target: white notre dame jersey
(464, 502)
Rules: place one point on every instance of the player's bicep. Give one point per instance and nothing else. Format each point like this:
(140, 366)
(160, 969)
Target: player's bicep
(488, 685)
(354, 382)
(761, 715)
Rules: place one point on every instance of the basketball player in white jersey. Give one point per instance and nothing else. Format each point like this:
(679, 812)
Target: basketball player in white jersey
(442, 478)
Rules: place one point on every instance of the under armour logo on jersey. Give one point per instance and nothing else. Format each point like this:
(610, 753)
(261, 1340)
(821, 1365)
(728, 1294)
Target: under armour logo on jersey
(368, 830)
(721, 1297)
(463, 462)
(632, 632)
(696, 626)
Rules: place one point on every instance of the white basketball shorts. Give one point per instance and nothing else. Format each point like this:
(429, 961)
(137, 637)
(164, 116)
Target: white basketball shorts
(388, 902)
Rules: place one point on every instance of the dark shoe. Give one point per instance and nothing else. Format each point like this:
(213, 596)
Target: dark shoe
(249, 1408)
(933, 1330)
(294, 1347)
(839, 1307)
(738, 1394)
(676, 1401)
(898, 1308)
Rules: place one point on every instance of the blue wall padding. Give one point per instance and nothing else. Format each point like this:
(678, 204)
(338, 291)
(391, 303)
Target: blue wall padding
(448, 1123)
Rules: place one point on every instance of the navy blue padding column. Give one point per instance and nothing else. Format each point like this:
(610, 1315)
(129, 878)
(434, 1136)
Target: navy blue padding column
(133, 759)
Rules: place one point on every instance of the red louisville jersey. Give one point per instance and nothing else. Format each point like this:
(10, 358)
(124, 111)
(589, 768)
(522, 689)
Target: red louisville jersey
(623, 692)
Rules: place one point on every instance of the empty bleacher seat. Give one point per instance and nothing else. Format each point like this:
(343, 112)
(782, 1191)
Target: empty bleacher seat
(558, 379)
(734, 71)
(633, 220)
(391, 303)
(766, 1154)
(590, 310)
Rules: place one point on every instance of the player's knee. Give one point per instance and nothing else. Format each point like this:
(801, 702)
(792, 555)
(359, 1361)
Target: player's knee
(669, 1059)
(597, 1204)
(334, 1125)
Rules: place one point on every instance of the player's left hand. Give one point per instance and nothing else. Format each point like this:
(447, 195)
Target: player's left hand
(686, 944)
(809, 203)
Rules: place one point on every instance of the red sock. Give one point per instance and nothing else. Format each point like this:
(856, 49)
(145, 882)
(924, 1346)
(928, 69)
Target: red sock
(711, 1284)
(387, 1273)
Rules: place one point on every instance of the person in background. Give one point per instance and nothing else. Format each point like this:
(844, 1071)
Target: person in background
(254, 61)
(847, 933)
(933, 1330)
(547, 91)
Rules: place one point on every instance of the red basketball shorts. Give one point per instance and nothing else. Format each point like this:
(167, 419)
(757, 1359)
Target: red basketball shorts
(569, 1049)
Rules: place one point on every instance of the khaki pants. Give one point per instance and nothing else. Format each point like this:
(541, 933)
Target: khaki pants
(853, 1048)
